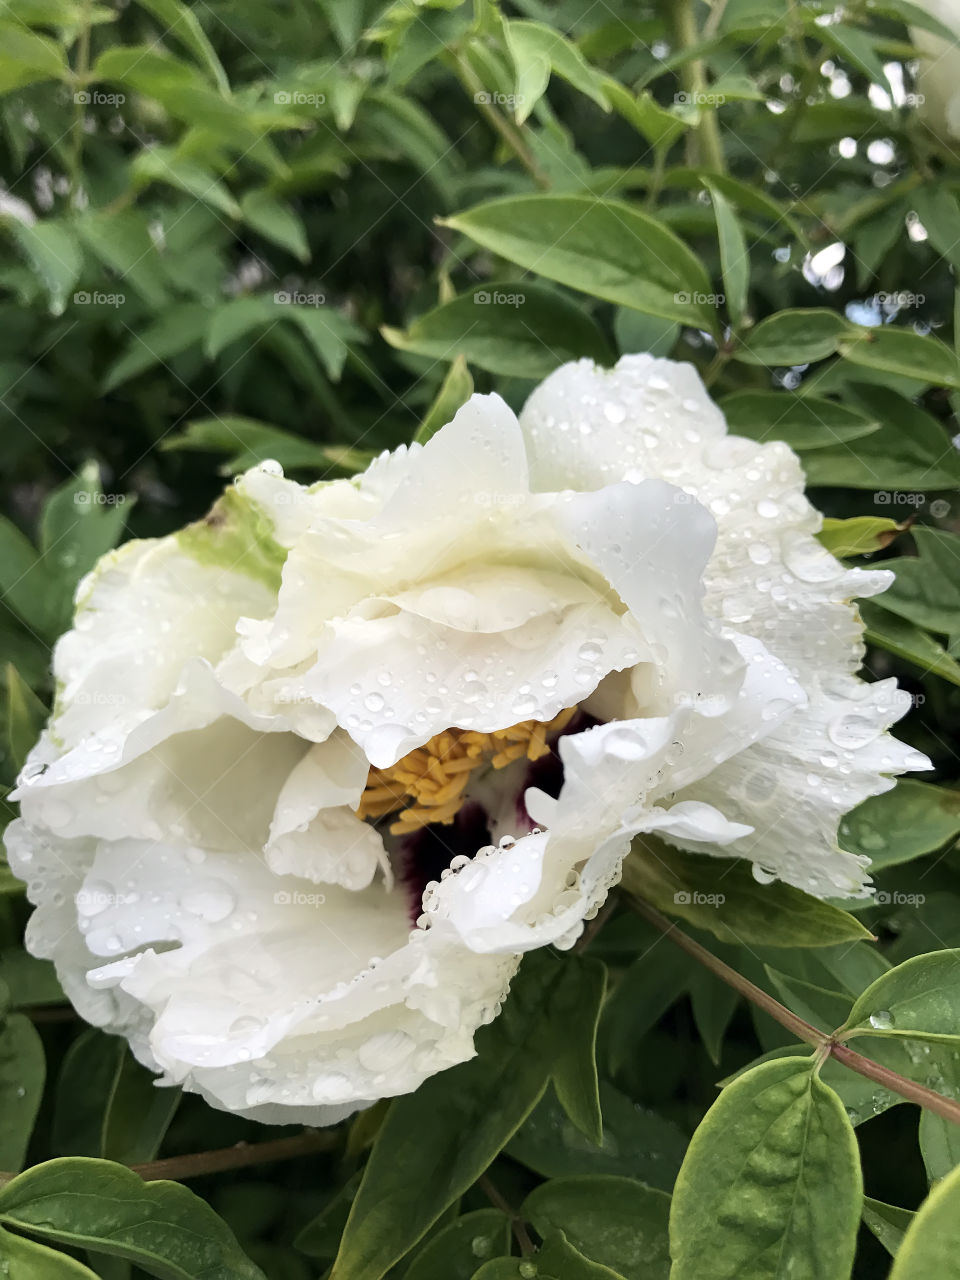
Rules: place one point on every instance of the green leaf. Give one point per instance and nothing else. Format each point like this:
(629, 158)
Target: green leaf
(524, 330)
(26, 57)
(636, 332)
(803, 422)
(456, 390)
(794, 337)
(249, 442)
(772, 1175)
(25, 717)
(537, 50)
(913, 819)
(162, 164)
(919, 999)
(909, 451)
(178, 328)
(138, 1114)
(904, 352)
(121, 241)
(435, 1143)
(939, 212)
(93, 1204)
(926, 590)
(87, 1079)
(659, 126)
(939, 1145)
(734, 256)
(276, 222)
(858, 536)
(722, 896)
(22, 1259)
(601, 247)
(233, 320)
(327, 332)
(29, 980)
(22, 1070)
(79, 524)
(931, 1245)
(637, 1142)
(180, 21)
(575, 1065)
(558, 1257)
(52, 250)
(887, 1222)
(617, 1222)
(908, 641)
(456, 1251)
(713, 1004)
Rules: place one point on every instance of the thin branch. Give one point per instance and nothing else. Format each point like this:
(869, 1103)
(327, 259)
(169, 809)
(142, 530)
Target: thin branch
(493, 1194)
(827, 1046)
(507, 130)
(762, 999)
(240, 1156)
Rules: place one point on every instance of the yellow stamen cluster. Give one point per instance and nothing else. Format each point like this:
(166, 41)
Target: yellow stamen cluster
(427, 785)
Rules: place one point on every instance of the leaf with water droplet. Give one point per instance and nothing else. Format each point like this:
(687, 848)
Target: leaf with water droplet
(887, 1222)
(919, 999)
(617, 1222)
(459, 1248)
(22, 1071)
(774, 1154)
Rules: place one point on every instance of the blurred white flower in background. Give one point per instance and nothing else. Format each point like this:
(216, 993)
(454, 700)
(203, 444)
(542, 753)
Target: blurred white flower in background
(325, 764)
(938, 80)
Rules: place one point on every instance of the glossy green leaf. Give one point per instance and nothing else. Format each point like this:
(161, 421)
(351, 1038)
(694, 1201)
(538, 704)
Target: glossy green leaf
(23, 1259)
(26, 57)
(52, 250)
(858, 536)
(906, 640)
(793, 337)
(939, 1145)
(276, 222)
(574, 1072)
(636, 332)
(161, 1226)
(931, 1245)
(774, 1155)
(518, 329)
(248, 442)
(602, 247)
(436, 1142)
(22, 1071)
(25, 715)
(617, 1222)
(456, 1251)
(455, 391)
(887, 1222)
(913, 819)
(927, 586)
(918, 999)
(138, 1114)
(537, 49)
(803, 422)
(637, 1142)
(734, 256)
(184, 26)
(902, 351)
(724, 898)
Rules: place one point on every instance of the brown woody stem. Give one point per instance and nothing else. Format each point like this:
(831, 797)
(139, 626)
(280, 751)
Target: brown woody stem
(826, 1044)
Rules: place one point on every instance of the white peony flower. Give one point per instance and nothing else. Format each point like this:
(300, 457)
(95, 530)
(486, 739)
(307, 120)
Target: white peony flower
(324, 765)
(938, 80)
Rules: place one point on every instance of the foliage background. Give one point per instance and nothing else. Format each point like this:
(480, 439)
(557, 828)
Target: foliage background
(233, 232)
